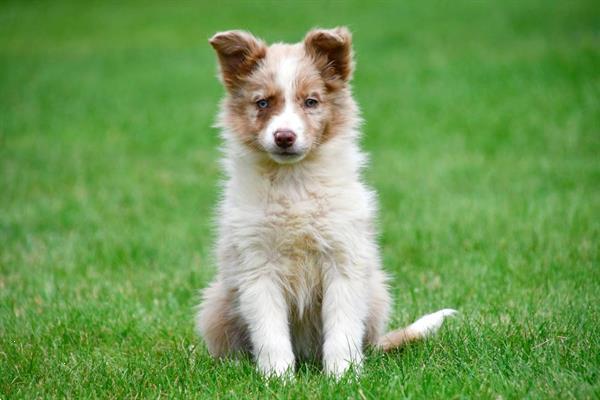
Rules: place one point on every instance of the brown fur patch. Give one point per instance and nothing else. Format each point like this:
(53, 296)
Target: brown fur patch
(344, 113)
(398, 338)
(221, 328)
(243, 115)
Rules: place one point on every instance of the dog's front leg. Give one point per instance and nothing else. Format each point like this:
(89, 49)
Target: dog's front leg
(264, 309)
(344, 313)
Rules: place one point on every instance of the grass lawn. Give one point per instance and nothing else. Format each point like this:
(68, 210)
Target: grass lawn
(483, 125)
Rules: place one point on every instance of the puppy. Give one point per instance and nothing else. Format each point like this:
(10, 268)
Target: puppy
(299, 270)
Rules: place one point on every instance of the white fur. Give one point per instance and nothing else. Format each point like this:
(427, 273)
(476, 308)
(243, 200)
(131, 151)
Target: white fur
(261, 301)
(344, 313)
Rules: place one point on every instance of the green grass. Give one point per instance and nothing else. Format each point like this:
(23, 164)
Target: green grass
(483, 125)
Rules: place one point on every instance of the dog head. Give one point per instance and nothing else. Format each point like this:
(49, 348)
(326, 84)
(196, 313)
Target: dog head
(284, 100)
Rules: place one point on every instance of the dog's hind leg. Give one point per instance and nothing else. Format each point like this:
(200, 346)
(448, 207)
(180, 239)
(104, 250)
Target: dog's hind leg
(379, 307)
(218, 323)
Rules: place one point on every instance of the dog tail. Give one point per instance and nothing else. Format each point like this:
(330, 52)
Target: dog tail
(418, 330)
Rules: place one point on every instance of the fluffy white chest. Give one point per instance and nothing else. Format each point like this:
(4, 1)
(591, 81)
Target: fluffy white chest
(294, 234)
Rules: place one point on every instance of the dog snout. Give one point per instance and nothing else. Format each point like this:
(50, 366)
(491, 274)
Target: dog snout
(284, 138)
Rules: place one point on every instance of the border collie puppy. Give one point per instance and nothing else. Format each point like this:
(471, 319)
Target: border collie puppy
(299, 270)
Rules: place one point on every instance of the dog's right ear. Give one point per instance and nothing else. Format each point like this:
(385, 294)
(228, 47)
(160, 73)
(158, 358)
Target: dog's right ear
(239, 53)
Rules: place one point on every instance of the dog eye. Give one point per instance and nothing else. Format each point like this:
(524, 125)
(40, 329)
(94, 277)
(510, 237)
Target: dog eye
(262, 104)
(310, 102)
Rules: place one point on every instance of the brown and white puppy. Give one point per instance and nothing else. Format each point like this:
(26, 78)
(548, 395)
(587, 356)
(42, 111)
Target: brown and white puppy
(299, 267)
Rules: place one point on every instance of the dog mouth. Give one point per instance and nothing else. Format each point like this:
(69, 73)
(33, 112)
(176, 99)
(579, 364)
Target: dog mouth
(288, 153)
(287, 156)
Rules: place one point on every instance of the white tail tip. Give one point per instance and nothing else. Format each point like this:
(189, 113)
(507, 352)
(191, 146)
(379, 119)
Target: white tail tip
(429, 324)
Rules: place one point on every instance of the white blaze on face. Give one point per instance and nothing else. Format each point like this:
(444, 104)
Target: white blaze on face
(288, 118)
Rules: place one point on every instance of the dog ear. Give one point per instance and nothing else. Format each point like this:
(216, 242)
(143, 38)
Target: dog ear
(331, 50)
(239, 53)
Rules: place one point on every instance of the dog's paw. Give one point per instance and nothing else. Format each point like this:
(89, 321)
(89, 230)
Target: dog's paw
(276, 366)
(337, 363)
(336, 368)
(429, 324)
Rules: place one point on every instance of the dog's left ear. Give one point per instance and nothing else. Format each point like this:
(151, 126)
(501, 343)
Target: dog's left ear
(332, 51)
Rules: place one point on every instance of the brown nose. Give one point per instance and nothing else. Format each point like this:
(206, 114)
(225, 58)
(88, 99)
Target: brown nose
(284, 138)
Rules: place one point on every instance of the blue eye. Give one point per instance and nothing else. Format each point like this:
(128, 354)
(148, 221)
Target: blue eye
(310, 102)
(262, 104)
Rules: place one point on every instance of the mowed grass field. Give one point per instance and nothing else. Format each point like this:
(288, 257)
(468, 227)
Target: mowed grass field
(483, 125)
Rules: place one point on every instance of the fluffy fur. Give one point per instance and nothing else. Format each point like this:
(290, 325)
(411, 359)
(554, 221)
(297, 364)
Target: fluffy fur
(299, 274)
